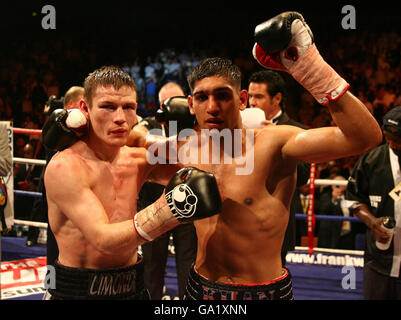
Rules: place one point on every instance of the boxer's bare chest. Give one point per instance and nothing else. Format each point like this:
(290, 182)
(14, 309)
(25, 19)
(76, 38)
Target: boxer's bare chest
(257, 188)
(116, 186)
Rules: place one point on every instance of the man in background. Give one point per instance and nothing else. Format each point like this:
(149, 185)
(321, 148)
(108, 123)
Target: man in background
(6, 164)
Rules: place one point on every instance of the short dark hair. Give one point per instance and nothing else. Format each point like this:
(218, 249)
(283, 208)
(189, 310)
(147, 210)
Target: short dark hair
(215, 67)
(274, 83)
(106, 76)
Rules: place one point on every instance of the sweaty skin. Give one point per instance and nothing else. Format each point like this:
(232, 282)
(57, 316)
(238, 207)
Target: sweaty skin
(92, 187)
(102, 195)
(243, 243)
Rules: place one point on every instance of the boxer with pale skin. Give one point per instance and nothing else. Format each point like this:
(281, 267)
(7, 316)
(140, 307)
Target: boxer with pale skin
(92, 190)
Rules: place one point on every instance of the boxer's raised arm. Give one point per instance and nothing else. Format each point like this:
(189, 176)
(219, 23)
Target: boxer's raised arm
(286, 43)
(356, 133)
(63, 128)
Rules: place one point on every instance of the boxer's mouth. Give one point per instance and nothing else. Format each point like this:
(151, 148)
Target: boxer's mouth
(119, 131)
(214, 122)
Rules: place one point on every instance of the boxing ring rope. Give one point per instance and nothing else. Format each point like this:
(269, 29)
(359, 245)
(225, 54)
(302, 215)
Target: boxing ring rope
(41, 225)
(39, 162)
(27, 131)
(30, 161)
(328, 182)
(28, 193)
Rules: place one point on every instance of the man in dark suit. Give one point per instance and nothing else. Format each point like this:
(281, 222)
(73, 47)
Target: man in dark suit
(267, 91)
(335, 234)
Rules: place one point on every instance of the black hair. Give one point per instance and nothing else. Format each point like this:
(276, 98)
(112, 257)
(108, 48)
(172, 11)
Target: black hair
(274, 83)
(215, 67)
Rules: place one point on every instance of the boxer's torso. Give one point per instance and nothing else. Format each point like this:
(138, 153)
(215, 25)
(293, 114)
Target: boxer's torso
(116, 186)
(243, 243)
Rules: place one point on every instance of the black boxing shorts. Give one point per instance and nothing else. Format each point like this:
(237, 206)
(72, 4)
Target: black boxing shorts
(199, 288)
(98, 284)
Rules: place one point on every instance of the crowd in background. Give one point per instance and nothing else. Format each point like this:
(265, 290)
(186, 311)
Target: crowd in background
(32, 72)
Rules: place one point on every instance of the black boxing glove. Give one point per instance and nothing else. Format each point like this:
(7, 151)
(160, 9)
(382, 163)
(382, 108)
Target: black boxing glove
(63, 128)
(176, 109)
(191, 194)
(285, 42)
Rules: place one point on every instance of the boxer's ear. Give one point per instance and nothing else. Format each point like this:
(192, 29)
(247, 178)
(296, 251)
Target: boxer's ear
(190, 105)
(243, 97)
(84, 107)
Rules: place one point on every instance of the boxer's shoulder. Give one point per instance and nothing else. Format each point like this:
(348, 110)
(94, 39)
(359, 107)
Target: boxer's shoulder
(68, 164)
(275, 134)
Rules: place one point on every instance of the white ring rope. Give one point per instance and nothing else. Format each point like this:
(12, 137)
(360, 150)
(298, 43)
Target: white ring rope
(328, 182)
(42, 225)
(30, 161)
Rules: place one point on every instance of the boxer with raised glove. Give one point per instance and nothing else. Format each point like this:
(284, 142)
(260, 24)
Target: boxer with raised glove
(285, 42)
(63, 128)
(191, 194)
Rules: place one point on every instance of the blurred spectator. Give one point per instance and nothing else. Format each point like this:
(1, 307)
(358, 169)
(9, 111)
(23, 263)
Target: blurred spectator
(135, 68)
(140, 87)
(6, 163)
(149, 69)
(300, 204)
(72, 97)
(334, 234)
(38, 96)
(6, 160)
(150, 89)
(26, 178)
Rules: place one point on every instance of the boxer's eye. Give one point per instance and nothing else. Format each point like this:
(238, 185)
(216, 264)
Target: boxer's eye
(223, 96)
(129, 107)
(201, 97)
(107, 107)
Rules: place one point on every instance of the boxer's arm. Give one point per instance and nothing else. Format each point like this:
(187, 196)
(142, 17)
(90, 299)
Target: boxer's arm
(158, 168)
(285, 42)
(356, 132)
(137, 136)
(140, 137)
(63, 128)
(162, 173)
